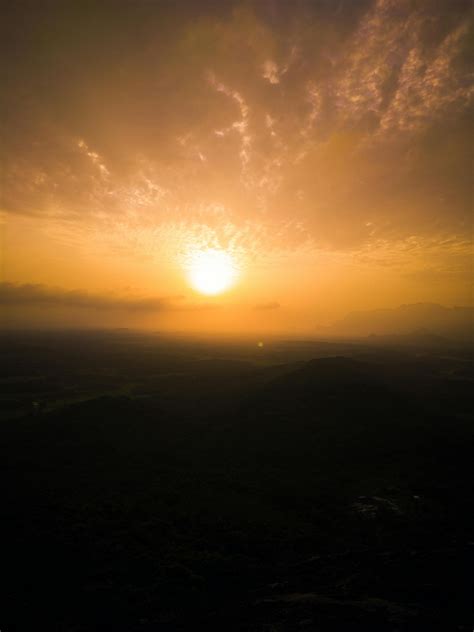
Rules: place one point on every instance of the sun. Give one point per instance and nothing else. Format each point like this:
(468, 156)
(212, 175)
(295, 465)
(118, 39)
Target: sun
(211, 271)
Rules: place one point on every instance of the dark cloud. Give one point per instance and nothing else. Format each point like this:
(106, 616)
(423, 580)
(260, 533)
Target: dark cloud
(342, 122)
(267, 306)
(27, 295)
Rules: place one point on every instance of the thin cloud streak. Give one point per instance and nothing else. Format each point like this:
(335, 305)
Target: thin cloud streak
(28, 294)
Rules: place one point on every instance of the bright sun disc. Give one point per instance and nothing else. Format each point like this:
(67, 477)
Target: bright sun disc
(212, 271)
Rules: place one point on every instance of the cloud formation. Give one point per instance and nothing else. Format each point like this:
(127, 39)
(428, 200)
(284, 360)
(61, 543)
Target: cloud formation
(27, 295)
(263, 307)
(256, 126)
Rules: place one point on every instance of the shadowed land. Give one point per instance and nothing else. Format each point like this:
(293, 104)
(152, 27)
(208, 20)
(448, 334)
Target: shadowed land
(170, 484)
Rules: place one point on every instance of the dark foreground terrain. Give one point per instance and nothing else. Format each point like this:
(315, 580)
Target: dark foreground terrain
(167, 484)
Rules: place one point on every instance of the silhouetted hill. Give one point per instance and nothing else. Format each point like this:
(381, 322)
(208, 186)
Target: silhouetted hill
(323, 374)
(426, 318)
(420, 338)
(325, 382)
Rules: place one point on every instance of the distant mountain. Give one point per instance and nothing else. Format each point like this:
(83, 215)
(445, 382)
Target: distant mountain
(419, 319)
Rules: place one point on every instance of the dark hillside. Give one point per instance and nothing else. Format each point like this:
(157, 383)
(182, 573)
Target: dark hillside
(314, 495)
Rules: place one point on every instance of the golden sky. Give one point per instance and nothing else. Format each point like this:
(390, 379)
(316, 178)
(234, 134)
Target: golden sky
(317, 154)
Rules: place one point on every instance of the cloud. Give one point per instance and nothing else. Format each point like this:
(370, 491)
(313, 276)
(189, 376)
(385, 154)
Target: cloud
(28, 295)
(271, 305)
(327, 122)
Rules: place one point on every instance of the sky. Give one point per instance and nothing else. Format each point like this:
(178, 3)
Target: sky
(316, 153)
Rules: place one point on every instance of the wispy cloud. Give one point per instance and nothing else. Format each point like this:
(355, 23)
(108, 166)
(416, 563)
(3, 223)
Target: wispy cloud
(263, 307)
(26, 295)
(324, 135)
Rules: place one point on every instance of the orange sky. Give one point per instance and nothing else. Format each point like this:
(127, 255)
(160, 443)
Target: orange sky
(325, 147)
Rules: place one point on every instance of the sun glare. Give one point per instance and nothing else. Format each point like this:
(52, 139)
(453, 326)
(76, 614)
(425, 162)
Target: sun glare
(212, 271)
